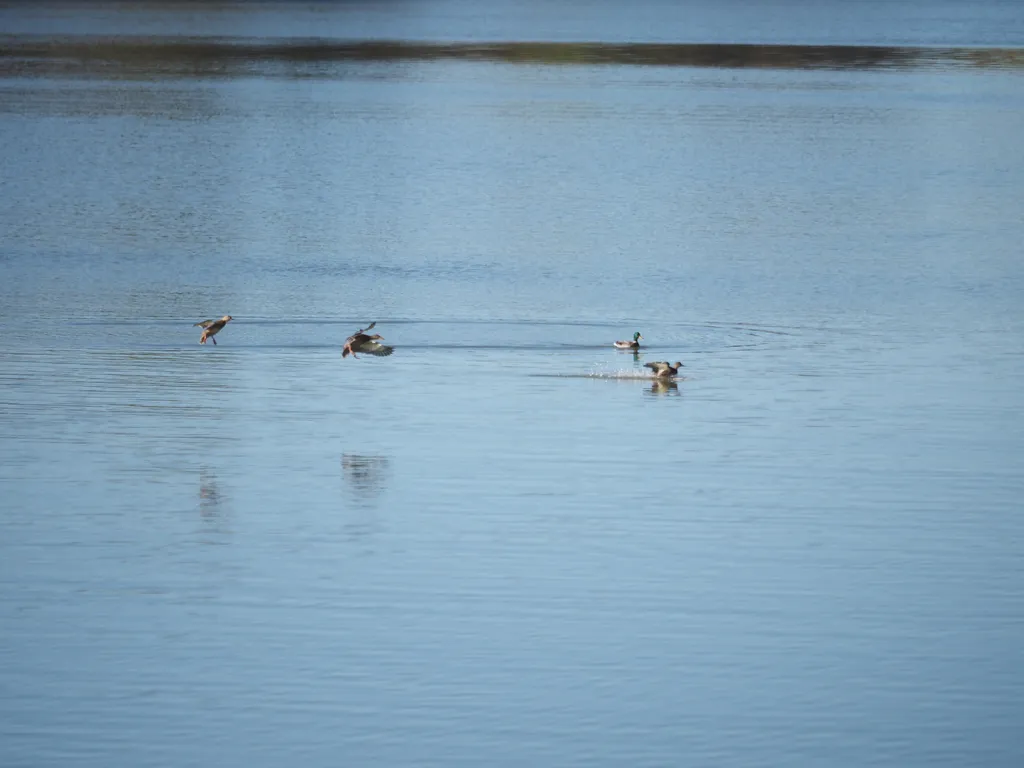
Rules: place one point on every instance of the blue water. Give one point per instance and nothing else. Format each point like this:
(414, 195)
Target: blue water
(831, 22)
(504, 544)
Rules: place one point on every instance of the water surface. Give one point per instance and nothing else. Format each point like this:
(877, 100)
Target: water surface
(501, 545)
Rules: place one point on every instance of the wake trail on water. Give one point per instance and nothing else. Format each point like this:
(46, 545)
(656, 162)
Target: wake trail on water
(619, 375)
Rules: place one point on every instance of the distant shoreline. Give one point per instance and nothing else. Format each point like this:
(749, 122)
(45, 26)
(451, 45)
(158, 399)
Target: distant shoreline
(86, 55)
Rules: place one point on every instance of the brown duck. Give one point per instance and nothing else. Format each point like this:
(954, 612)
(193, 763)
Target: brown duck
(664, 369)
(211, 328)
(361, 342)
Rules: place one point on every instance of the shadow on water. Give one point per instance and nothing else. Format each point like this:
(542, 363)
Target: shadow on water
(156, 56)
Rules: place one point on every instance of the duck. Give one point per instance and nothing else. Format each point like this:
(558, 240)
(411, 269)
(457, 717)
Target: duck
(211, 328)
(664, 369)
(361, 342)
(634, 344)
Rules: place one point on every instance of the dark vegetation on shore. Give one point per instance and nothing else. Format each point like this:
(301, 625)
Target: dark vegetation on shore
(201, 56)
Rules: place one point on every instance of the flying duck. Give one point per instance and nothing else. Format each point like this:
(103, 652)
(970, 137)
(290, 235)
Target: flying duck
(211, 328)
(360, 342)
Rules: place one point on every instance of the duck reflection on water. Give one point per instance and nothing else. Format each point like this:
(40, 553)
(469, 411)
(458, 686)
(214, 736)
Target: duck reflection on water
(664, 387)
(210, 498)
(366, 475)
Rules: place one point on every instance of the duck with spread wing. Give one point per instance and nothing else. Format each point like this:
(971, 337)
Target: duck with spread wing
(360, 341)
(211, 328)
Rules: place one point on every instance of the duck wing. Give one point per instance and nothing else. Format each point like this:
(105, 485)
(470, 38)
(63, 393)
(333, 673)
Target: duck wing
(361, 333)
(657, 367)
(203, 324)
(373, 348)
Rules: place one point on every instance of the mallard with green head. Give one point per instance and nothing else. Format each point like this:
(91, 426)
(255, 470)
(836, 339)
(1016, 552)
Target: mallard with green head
(634, 344)
(664, 370)
(361, 342)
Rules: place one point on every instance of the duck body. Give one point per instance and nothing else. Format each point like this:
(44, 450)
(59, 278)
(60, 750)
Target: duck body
(360, 341)
(634, 344)
(211, 328)
(664, 370)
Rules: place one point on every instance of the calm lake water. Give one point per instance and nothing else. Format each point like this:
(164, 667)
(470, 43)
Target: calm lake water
(502, 545)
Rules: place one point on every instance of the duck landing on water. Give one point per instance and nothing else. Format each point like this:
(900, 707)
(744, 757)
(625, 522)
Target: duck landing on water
(664, 369)
(211, 328)
(634, 344)
(360, 342)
